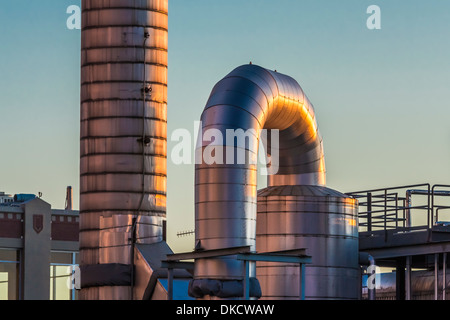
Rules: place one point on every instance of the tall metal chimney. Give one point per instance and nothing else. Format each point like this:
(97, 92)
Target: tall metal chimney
(123, 139)
(69, 198)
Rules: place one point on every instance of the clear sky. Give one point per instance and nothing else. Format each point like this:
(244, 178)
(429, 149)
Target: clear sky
(380, 96)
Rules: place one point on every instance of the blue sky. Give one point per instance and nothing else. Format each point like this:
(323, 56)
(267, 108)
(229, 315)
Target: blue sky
(381, 96)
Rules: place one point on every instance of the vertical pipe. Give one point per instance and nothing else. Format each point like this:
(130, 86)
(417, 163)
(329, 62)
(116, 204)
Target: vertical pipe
(360, 282)
(400, 279)
(436, 270)
(302, 281)
(408, 278)
(444, 269)
(247, 280)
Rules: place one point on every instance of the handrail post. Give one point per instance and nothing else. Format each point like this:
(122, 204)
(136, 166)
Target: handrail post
(404, 213)
(396, 210)
(385, 214)
(369, 211)
(430, 207)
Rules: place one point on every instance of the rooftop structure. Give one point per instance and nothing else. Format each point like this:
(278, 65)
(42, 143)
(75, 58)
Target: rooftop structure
(38, 250)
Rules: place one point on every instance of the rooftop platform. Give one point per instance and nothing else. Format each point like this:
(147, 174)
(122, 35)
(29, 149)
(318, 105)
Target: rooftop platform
(406, 228)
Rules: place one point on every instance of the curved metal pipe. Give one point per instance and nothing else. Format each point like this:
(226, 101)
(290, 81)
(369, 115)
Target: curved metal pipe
(250, 99)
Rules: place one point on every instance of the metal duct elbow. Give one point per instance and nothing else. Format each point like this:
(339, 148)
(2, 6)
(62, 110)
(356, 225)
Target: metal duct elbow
(244, 108)
(251, 99)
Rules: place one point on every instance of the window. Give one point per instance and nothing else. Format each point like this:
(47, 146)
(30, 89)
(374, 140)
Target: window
(9, 274)
(62, 267)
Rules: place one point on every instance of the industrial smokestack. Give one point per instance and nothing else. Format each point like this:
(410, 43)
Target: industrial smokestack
(69, 198)
(123, 139)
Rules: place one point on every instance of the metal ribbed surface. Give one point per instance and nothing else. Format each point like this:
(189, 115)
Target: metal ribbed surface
(322, 221)
(120, 177)
(250, 98)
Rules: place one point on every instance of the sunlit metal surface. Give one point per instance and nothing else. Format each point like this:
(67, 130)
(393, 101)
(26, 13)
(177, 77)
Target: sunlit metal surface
(319, 219)
(250, 98)
(123, 131)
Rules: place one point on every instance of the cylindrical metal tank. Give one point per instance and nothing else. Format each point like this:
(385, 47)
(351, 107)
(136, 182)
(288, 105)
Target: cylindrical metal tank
(123, 133)
(319, 219)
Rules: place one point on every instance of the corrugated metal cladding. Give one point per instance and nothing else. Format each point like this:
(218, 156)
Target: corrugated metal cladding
(123, 131)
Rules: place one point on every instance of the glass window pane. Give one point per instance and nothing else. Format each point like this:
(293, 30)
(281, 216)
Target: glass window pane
(60, 280)
(61, 271)
(3, 285)
(9, 279)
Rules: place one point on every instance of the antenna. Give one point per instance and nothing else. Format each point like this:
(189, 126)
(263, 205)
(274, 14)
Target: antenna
(185, 233)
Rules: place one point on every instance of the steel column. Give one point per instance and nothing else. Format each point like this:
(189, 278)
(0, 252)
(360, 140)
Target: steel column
(170, 283)
(436, 276)
(400, 279)
(444, 270)
(408, 278)
(302, 281)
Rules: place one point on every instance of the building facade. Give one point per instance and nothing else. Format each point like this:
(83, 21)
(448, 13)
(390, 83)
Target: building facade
(5, 198)
(38, 249)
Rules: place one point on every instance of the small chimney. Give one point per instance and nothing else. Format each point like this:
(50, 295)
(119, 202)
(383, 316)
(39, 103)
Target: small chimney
(69, 197)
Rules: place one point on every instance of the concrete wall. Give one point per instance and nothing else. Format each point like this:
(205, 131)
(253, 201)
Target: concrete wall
(36, 252)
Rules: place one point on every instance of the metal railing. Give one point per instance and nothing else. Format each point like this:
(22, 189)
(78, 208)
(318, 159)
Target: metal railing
(401, 209)
(436, 193)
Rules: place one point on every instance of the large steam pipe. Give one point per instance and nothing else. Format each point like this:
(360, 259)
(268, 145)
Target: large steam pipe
(250, 99)
(123, 139)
